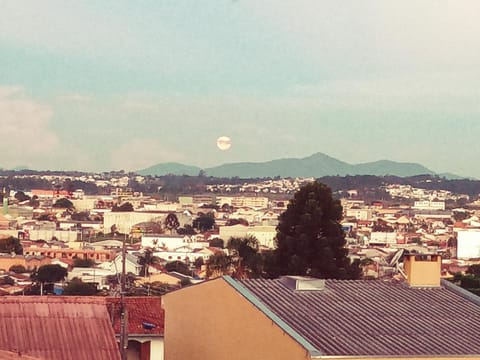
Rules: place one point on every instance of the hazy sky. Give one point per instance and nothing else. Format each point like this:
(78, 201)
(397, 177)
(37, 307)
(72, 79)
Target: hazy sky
(112, 84)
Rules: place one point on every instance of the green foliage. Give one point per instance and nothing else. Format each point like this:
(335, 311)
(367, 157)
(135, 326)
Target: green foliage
(187, 230)
(21, 196)
(218, 264)
(78, 287)
(171, 222)
(248, 263)
(216, 242)
(63, 203)
(49, 274)
(17, 269)
(231, 222)
(204, 222)
(198, 263)
(310, 240)
(147, 259)
(474, 270)
(459, 215)
(83, 263)
(11, 245)
(6, 280)
(81, 216)
(125, 207)
(178, 266)
(470, 282)
(185, 282)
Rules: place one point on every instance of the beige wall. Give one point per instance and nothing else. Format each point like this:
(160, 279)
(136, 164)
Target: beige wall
(423, 270)
(213, 321)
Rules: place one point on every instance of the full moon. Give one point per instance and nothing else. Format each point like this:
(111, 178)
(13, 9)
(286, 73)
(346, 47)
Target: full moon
(224, 143)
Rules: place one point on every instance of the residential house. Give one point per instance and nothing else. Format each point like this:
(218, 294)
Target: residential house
(57, 328)
(165, 241)
(67, 253)
(300, 318)
(97, 276)
(145, 325)
(227, 232)
(131, 264)
(29, 262)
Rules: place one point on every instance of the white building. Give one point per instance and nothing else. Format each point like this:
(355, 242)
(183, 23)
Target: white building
(429, 205)
(380, 237)
(468, 244)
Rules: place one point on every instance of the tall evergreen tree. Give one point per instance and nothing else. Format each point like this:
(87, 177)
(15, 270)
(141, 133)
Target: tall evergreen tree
(310, 240)
(171, 222)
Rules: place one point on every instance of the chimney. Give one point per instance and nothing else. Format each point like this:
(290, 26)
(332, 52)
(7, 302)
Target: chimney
(422, 270)
(303, 283)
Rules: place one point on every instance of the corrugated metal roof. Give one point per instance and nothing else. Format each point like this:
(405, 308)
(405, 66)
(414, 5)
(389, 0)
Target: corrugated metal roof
(8, 355)
(143, 312)
(57, 328)
(375, 318)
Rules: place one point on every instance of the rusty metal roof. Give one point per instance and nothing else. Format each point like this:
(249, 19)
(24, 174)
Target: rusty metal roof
(373, 318)
(57, 328)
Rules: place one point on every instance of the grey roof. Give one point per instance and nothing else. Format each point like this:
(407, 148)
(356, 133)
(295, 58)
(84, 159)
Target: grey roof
(371, 318)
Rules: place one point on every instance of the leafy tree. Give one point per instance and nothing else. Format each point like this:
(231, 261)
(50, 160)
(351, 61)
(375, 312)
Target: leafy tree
(185, 282)
(34, 202)
(204, 222)
(218, 264)
(198, 263)
(171, 222)
(310, 240)
(474, 270)
(80, 216)
(187, 230)
(178, 266)
(231, 222)
(63, 203)
(78, 287)
(48, 274)
(6, 280)
(11, 245)
(21, 196)
(83, 263)
(125, 207)
(146, 260)
(217, 242)
(245, 257)
(17, 269)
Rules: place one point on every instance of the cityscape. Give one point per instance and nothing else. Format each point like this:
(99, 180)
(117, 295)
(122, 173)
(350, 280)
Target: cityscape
(239, 179)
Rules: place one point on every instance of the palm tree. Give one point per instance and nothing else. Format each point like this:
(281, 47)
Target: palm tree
(147, 259)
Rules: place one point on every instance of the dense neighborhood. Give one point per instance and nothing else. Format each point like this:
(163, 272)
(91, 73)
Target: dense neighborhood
(200, 262)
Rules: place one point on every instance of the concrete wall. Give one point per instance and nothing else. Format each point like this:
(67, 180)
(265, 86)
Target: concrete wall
(213, 321)
(423, 270)
(125, 220)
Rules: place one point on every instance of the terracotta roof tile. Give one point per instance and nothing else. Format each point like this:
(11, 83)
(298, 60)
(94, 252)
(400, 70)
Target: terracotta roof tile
(143, 311)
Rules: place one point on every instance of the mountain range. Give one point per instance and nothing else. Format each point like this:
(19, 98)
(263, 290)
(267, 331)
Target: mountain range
(316, 165)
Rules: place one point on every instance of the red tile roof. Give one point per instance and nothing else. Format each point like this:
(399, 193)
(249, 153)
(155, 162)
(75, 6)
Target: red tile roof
(143, 312)
(57, 328)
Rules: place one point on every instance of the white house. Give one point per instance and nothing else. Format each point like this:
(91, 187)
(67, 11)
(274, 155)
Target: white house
(156, 241)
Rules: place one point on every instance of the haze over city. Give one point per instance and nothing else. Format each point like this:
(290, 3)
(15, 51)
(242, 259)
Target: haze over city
(115, 85)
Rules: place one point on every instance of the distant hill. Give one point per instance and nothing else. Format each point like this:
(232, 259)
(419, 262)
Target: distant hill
(170, 169)
(316, 165)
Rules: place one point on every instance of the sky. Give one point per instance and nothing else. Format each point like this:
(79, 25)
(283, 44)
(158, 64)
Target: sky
(115, 84)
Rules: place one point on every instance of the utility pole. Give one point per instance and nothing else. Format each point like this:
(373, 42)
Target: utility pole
(123, 308)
